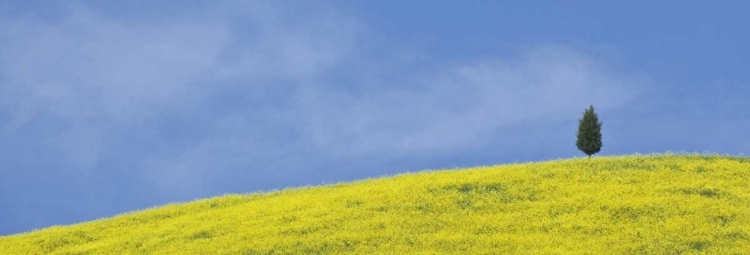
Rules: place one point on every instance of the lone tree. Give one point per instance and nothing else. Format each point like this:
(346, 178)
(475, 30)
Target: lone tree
(589, 133)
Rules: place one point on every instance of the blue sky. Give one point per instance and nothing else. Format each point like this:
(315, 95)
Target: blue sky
(107, 108)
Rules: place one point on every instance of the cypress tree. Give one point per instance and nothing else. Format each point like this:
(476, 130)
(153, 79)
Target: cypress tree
(589, 133)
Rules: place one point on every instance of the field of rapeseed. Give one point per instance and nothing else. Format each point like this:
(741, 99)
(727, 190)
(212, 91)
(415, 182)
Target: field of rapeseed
(641, 204)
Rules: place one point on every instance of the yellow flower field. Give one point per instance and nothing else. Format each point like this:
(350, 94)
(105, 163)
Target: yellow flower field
(639, 204)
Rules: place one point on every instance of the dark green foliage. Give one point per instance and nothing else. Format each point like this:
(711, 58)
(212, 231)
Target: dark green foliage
(589, 133)
(200, 235)
(700, 245)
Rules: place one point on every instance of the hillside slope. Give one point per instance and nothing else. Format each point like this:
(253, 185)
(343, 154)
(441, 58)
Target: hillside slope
(654, 204)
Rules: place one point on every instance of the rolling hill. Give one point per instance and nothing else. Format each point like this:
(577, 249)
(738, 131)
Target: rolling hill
(637, 204)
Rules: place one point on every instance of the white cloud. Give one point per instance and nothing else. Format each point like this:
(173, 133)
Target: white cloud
(90, 67)
(93, 73)
(98, 75)
(274, 40)
(461, 106)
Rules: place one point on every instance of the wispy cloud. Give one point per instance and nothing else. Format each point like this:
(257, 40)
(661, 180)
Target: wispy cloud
(460, 105)
(95, 74)
(92, 74)
(270, 88)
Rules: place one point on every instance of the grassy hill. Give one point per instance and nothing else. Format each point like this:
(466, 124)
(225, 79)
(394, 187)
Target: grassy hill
(652, 204)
